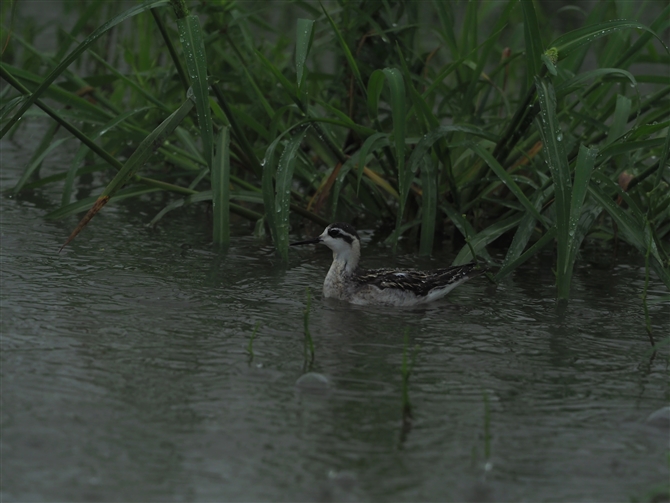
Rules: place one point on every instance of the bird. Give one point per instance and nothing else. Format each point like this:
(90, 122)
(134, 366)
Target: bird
(391, 287)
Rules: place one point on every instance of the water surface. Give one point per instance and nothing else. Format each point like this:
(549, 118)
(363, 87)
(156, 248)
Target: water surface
(125, 374)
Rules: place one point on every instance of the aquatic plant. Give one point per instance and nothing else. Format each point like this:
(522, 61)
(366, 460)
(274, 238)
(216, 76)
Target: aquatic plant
(250, 346)
(423, 118)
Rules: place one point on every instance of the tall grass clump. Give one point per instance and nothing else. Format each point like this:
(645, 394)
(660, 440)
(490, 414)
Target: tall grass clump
(423, 118)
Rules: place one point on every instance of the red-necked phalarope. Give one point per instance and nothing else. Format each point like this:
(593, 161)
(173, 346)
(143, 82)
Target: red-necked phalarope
(393, 287)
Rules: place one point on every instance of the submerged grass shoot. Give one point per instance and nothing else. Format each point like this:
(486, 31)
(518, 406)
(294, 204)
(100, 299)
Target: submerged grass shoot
(250, 346)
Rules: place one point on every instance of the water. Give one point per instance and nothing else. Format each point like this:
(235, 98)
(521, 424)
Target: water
(125, 374)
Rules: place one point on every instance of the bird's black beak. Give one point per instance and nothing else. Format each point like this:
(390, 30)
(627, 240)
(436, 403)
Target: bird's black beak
(308, 242)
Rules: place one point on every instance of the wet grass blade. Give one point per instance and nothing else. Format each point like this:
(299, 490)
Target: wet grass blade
(630, 223)
(507, 179)
(567, 43)
(221, 189)
(532, 40)
(508, 267)
(190, 35)
(554, 148)
(86, 203)
(479, 241)
(428, 207)
(240, 136)
(398, 114)
(569, 86)
(620, 119)
(347, 52)
(283, 192)
(151, 143)
(304, 37)
(268, 186)
(583, 170)
(170, 47)
(375, 88)
(133, 11)
(373, 143)
(525, 229)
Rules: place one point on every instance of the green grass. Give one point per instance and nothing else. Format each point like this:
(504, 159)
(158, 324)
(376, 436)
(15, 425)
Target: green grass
(475, 119)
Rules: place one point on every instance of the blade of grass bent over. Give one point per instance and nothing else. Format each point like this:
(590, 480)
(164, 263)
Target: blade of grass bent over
(567, 43)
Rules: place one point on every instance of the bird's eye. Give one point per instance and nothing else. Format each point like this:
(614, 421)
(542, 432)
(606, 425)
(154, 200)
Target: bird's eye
(334, 233)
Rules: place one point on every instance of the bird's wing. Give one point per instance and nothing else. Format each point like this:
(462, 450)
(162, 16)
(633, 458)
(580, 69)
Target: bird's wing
(419, 282)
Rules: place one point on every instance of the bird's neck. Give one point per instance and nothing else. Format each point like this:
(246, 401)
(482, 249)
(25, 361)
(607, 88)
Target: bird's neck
(346, 262)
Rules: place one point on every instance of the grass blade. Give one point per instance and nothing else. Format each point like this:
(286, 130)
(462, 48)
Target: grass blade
(584, 167)
(304, 37)
(479, 241)
(567, 43)
(526, 227)
(347, 51)
(428, 206)
(283, 192)
(533, 41)
(554, 147)
(546, 239)
(398, 113)
(190, 35)
(507, 179)
(621, 113)
(171, 49)
(221, 189)
(86, 203)
(374, 142)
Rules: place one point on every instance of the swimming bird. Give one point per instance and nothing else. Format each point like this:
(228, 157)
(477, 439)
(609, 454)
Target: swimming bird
(392, 287)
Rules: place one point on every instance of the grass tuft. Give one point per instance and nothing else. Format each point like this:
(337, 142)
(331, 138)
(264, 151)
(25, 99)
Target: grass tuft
(423, 119)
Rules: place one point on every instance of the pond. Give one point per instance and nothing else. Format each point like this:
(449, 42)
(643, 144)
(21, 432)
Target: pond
(126, 374)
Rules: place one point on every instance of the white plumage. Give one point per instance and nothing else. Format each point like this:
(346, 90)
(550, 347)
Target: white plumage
(347, 281)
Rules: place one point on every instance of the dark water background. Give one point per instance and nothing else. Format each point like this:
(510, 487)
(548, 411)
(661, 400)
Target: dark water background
(125, 375)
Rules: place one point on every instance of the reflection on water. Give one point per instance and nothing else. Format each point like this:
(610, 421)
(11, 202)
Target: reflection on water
(125, 374)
